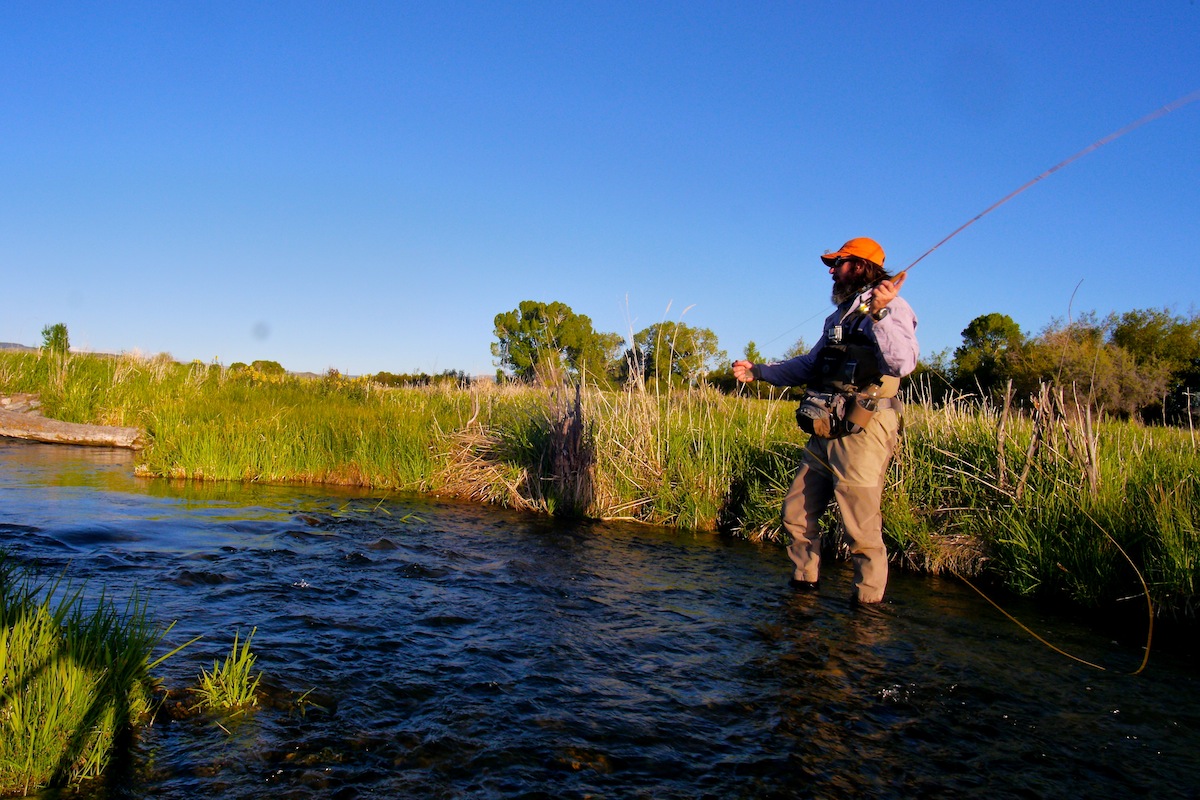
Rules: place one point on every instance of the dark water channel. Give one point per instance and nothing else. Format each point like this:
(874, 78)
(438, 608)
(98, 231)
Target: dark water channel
(469, 652)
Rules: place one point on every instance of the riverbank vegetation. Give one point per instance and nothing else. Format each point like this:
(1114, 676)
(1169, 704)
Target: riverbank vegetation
(1142, 364)
(74, 678)
(1043, 500)
(1039, 492)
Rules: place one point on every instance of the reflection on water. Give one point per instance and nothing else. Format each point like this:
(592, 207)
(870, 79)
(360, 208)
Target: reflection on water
(457, 651)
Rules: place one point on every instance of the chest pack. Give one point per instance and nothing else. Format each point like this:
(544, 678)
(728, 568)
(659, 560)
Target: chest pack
(848, 387)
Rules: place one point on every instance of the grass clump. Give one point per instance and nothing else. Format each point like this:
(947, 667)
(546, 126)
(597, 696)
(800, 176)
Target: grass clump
(74, 678)
(232, 685)
(689, 458)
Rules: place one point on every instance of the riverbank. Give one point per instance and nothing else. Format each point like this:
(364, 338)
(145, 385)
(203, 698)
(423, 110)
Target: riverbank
(1052, 505)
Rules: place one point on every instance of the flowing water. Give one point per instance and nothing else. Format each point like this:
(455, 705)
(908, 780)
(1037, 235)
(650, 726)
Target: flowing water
(453, 651)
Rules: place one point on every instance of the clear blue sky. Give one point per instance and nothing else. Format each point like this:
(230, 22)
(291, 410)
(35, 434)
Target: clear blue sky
(364, 186)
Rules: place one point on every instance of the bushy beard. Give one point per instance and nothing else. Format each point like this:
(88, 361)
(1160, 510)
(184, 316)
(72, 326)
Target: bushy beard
(843, 292)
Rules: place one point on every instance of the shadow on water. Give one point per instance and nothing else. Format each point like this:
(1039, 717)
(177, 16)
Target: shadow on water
(456, 651)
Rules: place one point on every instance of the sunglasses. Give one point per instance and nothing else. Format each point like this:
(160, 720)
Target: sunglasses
(837, 262)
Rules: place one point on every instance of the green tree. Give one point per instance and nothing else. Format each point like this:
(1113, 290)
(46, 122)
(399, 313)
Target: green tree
(753, 355)
(606, 359)
(675, 350)
(1080, 358)
(1159, 340)
(1152, 335)
(798, 349)
(55, 338)
(446, 378)
(545, 342)
(267, 367)
(979, 363)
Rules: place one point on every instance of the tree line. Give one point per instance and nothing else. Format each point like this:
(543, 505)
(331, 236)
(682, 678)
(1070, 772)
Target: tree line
(449, 377)
(1141, 364)
(548, 343)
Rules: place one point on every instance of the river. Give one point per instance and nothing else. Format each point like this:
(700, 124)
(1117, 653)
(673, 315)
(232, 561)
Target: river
(456, 651)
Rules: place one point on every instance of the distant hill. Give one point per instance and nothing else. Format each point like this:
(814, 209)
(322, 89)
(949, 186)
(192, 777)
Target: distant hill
(12, 346)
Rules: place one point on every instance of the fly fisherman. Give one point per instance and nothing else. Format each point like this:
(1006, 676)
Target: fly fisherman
(851, 411)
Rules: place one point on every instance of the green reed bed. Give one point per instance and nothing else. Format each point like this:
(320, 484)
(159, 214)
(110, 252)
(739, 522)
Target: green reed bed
(289, 434)
(693, 459)
(73, 678)
(1051, 519)
(209, 422)
(285, 429)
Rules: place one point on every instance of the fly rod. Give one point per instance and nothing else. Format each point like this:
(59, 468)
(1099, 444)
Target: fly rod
(865, 298)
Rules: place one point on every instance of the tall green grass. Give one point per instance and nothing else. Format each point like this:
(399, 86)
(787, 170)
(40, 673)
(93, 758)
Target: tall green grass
(1061, 530)
(74, 677)
(686, 458)
(693, 459)
(212, 423)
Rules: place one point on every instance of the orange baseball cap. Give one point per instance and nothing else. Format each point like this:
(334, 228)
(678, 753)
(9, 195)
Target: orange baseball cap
(862, 247)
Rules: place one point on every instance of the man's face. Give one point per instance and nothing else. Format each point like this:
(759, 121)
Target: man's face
(846, 271)
(848, 278)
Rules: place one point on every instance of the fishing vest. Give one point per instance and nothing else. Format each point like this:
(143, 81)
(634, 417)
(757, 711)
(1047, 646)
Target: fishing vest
(847, 384)
(849, 361)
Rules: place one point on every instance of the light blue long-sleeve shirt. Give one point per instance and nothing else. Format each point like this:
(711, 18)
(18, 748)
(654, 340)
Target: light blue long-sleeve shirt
(895, 335)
